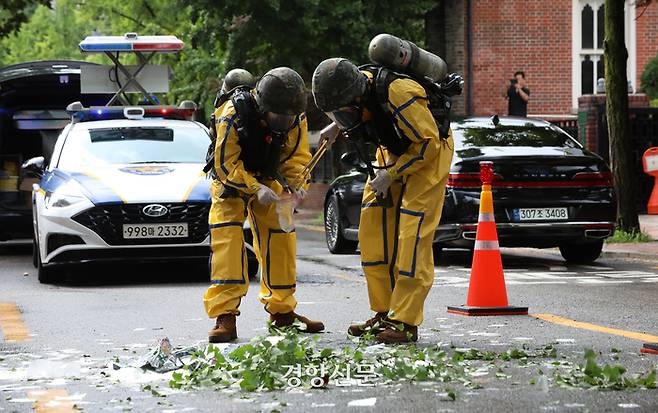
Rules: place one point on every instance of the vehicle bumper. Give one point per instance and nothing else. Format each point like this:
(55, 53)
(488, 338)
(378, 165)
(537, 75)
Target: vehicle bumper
(130, 254)
(533, 235)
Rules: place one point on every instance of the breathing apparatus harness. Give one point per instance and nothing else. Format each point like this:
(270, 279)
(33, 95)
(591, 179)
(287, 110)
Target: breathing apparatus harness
(260, 148)
(382, 130)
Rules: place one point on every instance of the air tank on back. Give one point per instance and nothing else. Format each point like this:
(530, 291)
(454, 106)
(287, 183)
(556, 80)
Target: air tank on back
(405, 56)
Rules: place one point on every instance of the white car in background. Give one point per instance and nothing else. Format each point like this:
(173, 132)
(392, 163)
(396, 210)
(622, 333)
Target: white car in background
(123, 184)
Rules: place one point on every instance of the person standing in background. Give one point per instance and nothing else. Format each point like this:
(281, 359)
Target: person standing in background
(518, 95)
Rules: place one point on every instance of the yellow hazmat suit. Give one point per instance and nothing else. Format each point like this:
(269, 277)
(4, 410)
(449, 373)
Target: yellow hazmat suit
(275, 249)
(396, 242)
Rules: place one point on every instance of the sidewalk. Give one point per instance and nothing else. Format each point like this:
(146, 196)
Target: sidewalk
(642, 250)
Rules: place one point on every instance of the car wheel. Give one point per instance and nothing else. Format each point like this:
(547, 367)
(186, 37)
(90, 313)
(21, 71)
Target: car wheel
(47, 275)
(581, 253)
(333, 229)
(437, 252)
(35, 254)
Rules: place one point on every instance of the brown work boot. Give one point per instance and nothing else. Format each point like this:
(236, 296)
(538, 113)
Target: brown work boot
(398, 332)
(375, 324)
(288, 319)
(224, 330)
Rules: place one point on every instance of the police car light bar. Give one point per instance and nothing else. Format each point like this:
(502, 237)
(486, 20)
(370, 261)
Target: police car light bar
(81, 114)
(131, 42)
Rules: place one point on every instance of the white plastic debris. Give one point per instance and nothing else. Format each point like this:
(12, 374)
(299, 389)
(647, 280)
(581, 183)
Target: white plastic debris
(543, 383)
(363, 402)
(45, 369)
(163, 358)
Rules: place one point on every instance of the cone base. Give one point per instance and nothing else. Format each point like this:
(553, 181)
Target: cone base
(485, 311)
(649, 348)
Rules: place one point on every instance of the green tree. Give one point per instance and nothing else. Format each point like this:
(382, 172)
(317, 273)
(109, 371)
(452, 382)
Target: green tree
(262, 34)
(54, 33)
(621, 146)
(13, 13)
(650, 78)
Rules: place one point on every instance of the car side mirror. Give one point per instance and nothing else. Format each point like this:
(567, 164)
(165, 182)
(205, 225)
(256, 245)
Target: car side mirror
(33, 168)
(352, 160)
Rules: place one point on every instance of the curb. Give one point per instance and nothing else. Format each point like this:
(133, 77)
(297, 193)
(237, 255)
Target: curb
(312, 225)
(645, 256)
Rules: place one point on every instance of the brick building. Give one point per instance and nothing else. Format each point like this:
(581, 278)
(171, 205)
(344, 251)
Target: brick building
(557, 43)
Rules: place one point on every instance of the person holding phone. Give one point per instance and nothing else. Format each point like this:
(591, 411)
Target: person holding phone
(518, 95)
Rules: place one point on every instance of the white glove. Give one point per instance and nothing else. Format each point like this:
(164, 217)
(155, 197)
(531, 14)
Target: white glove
(381, 182)
(266, 196)
(300, 194)
(329, 134)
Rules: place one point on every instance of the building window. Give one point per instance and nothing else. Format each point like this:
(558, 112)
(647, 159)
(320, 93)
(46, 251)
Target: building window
(587, 21)
(588, 35)
(586, 73)
(591, 56)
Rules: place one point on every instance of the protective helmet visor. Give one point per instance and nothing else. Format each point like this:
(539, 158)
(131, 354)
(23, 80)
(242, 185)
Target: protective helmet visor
(278, 122)
(346, 118)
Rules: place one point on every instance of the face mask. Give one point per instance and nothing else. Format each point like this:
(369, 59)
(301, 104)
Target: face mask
(279, 123)
(347, 118)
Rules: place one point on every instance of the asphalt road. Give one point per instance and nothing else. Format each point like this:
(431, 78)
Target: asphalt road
(74, 332)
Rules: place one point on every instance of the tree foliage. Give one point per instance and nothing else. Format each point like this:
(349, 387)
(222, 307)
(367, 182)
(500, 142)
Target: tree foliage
(262, 34)
(54, 33)
(255, 34)
(13, 13)
(650, 78)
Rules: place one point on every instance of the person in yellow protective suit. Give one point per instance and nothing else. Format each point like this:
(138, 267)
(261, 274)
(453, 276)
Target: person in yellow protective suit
(403, 199)
(262, 144)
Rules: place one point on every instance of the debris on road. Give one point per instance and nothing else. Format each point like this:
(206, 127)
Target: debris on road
(163, 358)
(289, 360)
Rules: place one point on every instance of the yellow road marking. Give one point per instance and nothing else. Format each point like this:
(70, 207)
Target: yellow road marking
(11, 322)
(593, 327)
(348, 278)
(51, 401)
(316, 228)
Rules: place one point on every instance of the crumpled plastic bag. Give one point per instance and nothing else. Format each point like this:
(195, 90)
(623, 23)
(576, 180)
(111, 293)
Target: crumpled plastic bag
(285, 208)
(164, 358)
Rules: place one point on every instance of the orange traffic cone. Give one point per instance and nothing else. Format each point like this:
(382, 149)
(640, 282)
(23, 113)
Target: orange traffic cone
(649, 348)
(487, 294)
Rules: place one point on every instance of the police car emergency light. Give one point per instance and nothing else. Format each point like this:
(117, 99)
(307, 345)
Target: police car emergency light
(119, 78)
(81, 114)
(131, 42)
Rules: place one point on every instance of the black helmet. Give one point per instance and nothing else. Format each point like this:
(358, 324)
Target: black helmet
(237, 77)
(336, 83)
(281, 91)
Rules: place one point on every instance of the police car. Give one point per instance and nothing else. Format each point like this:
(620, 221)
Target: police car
(123, 183)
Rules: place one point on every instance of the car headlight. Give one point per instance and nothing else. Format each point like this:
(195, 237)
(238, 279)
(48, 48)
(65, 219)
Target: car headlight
(64, 196)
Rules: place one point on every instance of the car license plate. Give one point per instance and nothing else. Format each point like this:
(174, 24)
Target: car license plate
(540, 214)
(141, 231)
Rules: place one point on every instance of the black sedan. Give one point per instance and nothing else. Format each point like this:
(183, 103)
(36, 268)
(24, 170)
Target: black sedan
(548, 191)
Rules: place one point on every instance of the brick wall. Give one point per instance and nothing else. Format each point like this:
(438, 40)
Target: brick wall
(529, 35)
(454, 51)
(533, 36)
(646, 35)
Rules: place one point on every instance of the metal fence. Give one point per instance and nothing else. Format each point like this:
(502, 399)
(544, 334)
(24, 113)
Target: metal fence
(570, 126)
(644, 134)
